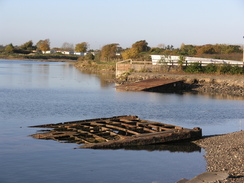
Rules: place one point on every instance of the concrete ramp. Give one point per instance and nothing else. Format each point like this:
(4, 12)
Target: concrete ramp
(157, 85)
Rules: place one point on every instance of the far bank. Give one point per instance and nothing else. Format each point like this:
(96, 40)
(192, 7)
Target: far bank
(213, 84)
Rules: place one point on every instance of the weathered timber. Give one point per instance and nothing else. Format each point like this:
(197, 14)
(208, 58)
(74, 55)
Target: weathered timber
(146, 139)
(116, 132)
(159, 84)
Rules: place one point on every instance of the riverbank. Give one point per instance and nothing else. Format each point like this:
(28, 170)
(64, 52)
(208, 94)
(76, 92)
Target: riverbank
(95, 67)
(36, 56)
(224, 85)
(225, 153)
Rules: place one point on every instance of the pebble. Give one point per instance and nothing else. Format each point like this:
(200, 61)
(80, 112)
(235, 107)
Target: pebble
(225, 153)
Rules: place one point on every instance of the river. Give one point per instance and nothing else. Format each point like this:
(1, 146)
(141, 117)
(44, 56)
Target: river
(33, 93)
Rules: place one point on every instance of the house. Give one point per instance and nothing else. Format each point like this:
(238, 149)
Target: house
(67, 52)
(173, 60)
(80, 53)
(49, 51)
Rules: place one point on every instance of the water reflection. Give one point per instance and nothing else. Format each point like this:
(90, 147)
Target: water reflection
(206, 95)
(217, 96)
(186, 147)
(106, 78)
(45, 75)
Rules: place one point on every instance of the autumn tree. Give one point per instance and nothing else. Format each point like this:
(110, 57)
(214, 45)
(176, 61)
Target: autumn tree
(131, 53)
(9, 48)
(108, 52)
(188, 50)
(81, 47)
(227, 49)
(141, 46)
(43, 45)
(67, 46)
(27, 46)
(137, 48)
(205, 49)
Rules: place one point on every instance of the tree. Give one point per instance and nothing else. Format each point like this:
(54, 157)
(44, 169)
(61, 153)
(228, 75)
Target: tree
(27, 46)
(9, 48)
(89, 56)
(67, 46)
(43, 45)
(137, 48)
(81, 47)
(205, 49)
(109, 51)
(130, 54)
(141, 46)
(188, 50)
(169, 47)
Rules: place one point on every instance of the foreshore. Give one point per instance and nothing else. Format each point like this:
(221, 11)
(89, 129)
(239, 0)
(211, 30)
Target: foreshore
(225, 153)
(225, 86)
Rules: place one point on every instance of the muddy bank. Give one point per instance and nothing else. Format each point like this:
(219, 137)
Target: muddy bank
(225, 153)
(225, 85)
(94, 67)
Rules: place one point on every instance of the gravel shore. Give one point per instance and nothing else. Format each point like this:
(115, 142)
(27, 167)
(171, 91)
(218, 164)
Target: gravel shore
(225, 153)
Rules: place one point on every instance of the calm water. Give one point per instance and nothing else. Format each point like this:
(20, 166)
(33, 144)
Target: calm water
(33, 93)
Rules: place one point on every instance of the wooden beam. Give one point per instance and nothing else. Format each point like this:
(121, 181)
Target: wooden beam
(122, 129)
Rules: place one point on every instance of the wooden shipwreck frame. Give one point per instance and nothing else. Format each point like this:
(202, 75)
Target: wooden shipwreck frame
(115, 132)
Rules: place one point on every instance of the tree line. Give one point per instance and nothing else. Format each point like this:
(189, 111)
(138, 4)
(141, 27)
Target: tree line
(42, 45)
(138, 50)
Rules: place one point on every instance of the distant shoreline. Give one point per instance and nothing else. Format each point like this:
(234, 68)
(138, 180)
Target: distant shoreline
(41, 60)
(40, 57)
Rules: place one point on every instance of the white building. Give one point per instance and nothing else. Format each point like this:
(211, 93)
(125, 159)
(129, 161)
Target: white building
(173, 60)
(49, 51)
(68, 52)
(160, 59)
(79, 53)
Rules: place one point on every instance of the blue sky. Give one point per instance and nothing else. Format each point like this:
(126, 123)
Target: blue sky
(101, 22)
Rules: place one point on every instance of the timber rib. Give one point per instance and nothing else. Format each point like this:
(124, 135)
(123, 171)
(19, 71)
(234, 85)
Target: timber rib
(118, 131)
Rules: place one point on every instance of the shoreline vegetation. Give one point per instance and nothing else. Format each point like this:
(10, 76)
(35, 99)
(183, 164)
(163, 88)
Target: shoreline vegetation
(42, 57)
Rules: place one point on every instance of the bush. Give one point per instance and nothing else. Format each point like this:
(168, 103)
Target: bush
(237, 70)
(195, 67)
(210, 68)
(214, 68)
(225, 69)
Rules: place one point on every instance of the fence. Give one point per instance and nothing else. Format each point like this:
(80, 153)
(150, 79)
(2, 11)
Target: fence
(166, 66)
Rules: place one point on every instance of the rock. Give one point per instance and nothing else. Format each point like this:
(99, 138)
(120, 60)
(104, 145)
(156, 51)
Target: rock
(209, 177)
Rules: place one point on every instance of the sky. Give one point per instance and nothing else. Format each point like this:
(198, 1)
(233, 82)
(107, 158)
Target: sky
(101, 22)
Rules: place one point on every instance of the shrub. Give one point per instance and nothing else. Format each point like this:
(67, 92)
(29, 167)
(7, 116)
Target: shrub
(195, 67)
(210, 68)
(225, 69)
(237, 70)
